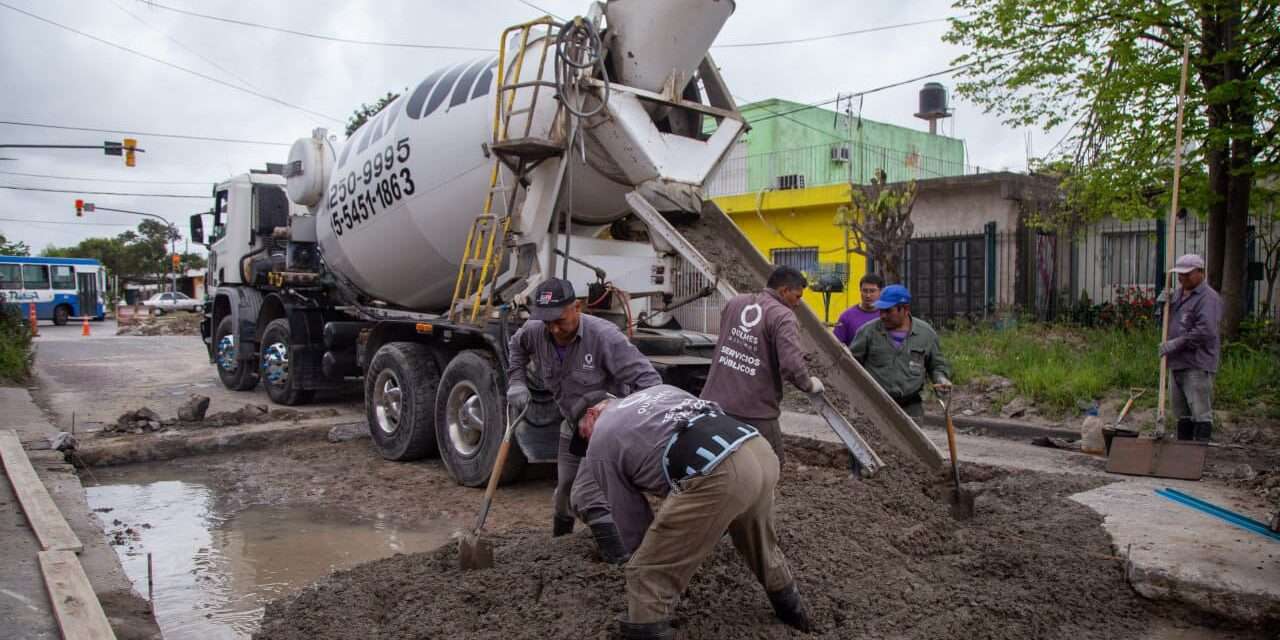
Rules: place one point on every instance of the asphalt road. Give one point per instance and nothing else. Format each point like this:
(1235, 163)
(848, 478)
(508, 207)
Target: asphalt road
(99, 377)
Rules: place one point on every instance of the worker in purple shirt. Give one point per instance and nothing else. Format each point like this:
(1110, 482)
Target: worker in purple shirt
(1193, 348)
(859, 314)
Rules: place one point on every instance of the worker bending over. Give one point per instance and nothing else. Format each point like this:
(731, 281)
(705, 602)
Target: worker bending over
(575, 354)
(716, 473)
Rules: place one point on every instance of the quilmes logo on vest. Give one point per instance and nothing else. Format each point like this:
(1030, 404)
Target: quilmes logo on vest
(464, 82)
(751, 316)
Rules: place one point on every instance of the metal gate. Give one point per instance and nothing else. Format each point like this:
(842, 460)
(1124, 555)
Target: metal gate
(946, 276)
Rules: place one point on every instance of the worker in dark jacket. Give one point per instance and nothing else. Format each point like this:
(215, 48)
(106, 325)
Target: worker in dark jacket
(901, 352)
(575, 354)
(1193, 349)
(759, 347)
(716, 473)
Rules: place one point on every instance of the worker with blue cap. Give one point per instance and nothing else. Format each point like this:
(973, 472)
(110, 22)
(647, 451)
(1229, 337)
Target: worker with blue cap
(901, 352)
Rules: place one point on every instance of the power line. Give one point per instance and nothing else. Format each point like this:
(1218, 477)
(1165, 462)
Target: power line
(177, 136)
(537, 8)
(318, 36)
(184, 47)
(121, 180)
(829, 36)
(104, 193)
(74, 224)
(171, 65)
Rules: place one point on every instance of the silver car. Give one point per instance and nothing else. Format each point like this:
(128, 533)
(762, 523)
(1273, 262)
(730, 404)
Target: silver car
(161, 303)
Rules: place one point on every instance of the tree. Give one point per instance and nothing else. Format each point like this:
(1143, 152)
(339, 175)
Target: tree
(879, 218)
(15, 248)
(1112, 67)
(362, 115)
(1268, 236)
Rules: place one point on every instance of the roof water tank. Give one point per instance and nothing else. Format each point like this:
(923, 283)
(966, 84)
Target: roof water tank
(933, 100)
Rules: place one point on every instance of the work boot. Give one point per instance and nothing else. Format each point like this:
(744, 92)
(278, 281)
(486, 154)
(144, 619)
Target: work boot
(790, 609)
(1203, 431)
(660, 630)
(1186, 429)
(561, 526)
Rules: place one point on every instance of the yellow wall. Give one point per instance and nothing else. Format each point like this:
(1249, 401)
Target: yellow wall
(797, 218)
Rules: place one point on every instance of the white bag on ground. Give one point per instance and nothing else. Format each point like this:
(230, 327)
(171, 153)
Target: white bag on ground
(1091, 439)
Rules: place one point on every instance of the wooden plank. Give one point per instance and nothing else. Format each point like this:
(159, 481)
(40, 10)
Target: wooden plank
(50, 527)
(76, 606)
(1178, 459)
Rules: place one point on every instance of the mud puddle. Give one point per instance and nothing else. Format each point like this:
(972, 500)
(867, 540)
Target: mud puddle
(215, 564)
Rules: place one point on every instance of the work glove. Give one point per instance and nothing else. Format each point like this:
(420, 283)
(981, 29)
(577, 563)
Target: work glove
(517, 397)
(815, 385)
(1167, 347)
(609, 542)
(942, 385)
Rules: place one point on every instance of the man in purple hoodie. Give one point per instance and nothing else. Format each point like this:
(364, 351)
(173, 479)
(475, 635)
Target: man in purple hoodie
(854, 317)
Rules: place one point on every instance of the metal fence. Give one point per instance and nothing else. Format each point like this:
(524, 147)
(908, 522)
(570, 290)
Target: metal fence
(1107, 271)
(839, 162)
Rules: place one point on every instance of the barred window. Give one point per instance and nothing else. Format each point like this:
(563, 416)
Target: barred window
(803, 258)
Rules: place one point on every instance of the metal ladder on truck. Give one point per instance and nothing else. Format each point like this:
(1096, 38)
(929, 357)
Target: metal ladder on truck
(515, 149)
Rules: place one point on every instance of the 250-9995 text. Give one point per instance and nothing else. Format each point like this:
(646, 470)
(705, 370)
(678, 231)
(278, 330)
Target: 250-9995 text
(357, 198)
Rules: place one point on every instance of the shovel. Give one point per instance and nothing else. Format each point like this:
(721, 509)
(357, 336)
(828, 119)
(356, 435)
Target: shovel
(961, 501)
(473, 551)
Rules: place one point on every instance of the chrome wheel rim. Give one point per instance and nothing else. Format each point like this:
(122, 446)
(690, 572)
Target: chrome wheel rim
(275, 363)
(387, 401)
(226, 353)
(465, 414)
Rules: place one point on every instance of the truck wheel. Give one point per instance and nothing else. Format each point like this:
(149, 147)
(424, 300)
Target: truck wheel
(399, 400)
(281, 383)
(60, 315)
(470, 422)
(235, 374)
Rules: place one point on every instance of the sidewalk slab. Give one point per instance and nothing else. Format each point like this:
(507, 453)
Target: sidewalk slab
(1176, 553)
(22, 589)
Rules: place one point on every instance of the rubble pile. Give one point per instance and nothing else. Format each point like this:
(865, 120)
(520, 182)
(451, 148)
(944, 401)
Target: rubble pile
(171, 324)
(193, 414)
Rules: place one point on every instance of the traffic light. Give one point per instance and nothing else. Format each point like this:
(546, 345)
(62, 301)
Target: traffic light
(177, 260)
(79, 208)
(130, 145)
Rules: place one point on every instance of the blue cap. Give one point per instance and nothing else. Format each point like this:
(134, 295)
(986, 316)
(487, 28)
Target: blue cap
(892, 296)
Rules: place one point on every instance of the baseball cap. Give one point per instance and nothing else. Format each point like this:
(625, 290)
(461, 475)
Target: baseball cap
(550, 299)
(1188, 263)
(892, 296)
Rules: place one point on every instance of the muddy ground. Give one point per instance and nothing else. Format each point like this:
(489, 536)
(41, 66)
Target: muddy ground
(878, 558)
(178, 323)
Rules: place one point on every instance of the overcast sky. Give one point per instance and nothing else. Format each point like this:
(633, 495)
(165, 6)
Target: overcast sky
(49, 75)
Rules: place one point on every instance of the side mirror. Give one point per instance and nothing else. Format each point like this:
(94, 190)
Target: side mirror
(197, 228)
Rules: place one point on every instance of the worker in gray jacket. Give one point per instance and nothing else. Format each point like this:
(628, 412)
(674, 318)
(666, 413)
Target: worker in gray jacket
(575, 354)
(716, 474)
(900, 350)
(759, 347)
(1192, 349)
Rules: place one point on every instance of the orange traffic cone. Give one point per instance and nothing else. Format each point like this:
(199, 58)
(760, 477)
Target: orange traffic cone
(84, 328)
(35, 330)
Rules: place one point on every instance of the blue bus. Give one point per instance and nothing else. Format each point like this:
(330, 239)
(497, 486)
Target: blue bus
(60, 288)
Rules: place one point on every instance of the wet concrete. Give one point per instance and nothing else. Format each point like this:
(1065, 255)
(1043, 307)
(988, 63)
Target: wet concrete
(215, 565)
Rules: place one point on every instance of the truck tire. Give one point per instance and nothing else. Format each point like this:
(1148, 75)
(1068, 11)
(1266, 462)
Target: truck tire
(399, 400)
(281, 383)
(60, 315)
(470, 421)
(235, 375)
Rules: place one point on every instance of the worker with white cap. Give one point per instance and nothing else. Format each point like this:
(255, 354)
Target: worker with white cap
(1192, 348)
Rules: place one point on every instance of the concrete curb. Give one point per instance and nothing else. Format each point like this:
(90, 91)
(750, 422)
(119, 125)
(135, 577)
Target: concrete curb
(1001, 427)
(168, 445)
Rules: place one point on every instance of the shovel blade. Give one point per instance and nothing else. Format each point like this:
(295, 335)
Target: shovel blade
(961, 502)
(474, 552)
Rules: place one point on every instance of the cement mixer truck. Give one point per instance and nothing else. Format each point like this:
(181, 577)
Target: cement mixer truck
(403, 257)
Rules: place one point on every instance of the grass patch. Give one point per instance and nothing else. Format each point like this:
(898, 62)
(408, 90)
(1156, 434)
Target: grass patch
(1060, 367)
(15, 346)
